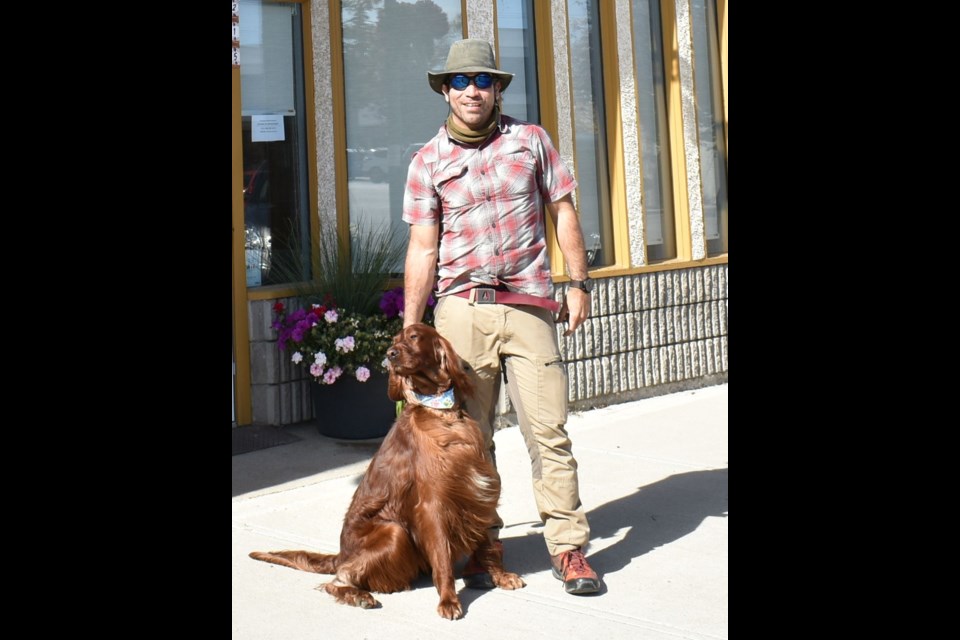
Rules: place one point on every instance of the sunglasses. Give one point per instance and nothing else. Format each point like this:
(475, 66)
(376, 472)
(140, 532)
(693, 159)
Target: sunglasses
(461, 82)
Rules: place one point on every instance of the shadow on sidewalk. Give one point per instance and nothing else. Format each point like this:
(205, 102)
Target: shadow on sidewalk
(307, 454)
(655, 515)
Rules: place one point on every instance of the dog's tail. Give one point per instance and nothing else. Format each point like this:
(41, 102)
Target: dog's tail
(302, 560)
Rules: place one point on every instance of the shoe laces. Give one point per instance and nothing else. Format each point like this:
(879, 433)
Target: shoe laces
(576, 561)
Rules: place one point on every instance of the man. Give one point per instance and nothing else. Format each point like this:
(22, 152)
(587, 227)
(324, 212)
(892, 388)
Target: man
(474, 199)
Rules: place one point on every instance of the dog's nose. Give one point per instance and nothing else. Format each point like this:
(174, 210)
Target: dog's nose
(392, 353)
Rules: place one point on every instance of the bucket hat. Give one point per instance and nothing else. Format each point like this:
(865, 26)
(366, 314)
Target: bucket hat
(468, 56)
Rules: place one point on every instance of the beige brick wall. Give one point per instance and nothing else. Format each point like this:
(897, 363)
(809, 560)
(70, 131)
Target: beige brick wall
(648, 334)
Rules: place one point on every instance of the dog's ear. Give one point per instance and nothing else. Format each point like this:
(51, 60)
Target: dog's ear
(400, 387)
(394, 385)
(453, 366)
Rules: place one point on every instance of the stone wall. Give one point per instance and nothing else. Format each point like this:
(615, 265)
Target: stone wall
(648, 334)
(279, 392)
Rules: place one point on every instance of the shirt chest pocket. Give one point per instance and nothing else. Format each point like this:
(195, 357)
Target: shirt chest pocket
(517, 173)
(453, 188)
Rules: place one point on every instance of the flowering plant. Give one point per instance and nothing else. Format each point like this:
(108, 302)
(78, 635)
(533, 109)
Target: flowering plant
(332, 341)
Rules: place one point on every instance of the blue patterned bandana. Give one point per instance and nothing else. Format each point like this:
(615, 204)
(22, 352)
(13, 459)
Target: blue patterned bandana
(443, 400)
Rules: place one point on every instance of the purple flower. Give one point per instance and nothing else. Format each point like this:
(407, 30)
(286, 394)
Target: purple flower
(315, 338)
(301, 329)
(391, 302)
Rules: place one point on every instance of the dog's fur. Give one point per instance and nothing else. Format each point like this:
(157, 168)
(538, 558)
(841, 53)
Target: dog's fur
(428, 496)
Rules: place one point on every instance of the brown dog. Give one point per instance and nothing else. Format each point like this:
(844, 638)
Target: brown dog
(429, 494)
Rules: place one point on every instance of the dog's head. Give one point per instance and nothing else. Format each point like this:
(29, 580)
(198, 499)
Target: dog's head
(423, 361)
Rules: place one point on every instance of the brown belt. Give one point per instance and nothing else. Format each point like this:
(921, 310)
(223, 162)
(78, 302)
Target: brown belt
(486, 295)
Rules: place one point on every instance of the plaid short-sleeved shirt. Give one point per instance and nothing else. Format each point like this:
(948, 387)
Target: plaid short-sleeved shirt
(490, 202)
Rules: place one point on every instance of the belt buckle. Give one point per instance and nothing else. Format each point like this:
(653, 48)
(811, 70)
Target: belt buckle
(485, 295)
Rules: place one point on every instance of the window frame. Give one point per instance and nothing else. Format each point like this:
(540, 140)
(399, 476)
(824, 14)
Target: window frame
(242, 294)
(544, 14)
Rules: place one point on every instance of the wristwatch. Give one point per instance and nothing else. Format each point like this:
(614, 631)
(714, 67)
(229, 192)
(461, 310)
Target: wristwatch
(583, 285)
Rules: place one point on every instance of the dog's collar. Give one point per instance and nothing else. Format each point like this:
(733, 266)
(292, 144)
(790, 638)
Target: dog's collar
(443, 400)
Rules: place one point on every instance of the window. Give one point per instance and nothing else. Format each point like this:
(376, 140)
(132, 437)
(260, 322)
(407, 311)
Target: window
(273, 109)
(388, 47)
(516, 41)
(590, 133)
(706, 74)
(657, 198)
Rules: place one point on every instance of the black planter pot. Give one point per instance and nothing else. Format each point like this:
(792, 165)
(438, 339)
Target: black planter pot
(353, 410)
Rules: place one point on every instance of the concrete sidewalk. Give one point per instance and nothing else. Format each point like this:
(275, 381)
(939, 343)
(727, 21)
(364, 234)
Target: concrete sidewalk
(653, 478)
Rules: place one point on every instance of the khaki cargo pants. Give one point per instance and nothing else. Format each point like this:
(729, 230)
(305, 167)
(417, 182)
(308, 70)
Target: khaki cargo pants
(524, 337)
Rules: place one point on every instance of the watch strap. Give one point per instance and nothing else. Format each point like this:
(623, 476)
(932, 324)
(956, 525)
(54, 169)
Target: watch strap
(583, 285)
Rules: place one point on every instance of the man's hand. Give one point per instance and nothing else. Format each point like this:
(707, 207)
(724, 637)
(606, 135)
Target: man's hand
(575, 309)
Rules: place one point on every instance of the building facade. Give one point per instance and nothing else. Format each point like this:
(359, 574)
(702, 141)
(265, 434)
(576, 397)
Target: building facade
(330, 100)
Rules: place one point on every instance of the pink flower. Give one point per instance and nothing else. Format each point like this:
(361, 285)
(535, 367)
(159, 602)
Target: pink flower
(316, 336)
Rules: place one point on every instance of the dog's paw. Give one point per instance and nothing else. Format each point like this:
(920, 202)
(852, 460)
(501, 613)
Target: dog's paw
(345, 594)
(451, 610)
(509, 581)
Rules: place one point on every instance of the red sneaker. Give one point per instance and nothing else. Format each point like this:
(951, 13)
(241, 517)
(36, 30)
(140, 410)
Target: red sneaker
(578, 578)
(475, 576)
